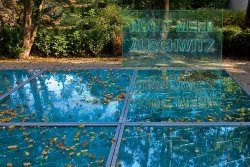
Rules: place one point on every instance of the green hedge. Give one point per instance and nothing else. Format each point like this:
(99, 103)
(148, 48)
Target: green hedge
(233, 18)
(91, 35)
(236, 42)
(10, 41)
(241, 45)
(228, 33)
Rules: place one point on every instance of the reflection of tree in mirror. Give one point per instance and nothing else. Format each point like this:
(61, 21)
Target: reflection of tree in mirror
(89, 95)
(144, 146)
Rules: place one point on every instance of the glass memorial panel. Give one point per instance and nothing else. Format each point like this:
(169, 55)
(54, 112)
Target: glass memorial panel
(187, 96)
(172, 38)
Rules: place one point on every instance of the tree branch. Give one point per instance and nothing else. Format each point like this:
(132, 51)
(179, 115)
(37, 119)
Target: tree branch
(247, 21)
(1, 4)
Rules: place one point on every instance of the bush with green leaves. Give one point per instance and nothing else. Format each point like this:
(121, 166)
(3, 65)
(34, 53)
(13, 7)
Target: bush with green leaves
(48, 42)
(43, 42)
(100, 27)
(241, 45)
(11, 41)
(228, 33)
(87, 35)
(233, 18)
(77, 42)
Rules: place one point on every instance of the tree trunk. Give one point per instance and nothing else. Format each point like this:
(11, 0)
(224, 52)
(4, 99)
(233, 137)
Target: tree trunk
(1, 4)
(248, 15)
(29, 30)
(166, 17)
(166, 4)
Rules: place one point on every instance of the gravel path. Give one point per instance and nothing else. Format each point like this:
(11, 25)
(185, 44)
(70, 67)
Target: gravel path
(239, 69)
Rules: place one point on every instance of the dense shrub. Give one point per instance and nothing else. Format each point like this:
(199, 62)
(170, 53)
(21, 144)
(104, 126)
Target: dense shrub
(77, 43)
(97, 31)
(43, 41)
(236, 42)
(241, 45)
(10, 41)
(49, 43)
(228, 33)
(59, 45)
(233, 18)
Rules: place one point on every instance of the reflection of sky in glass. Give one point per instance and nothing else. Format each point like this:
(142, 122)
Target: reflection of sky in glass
(77, 96)
(98, 96)
(11, 78)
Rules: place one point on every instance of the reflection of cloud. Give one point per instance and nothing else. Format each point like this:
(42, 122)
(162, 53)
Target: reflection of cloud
(110, 110)
(53, 85)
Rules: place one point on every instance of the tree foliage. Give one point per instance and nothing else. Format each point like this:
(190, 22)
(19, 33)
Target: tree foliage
(75, 27)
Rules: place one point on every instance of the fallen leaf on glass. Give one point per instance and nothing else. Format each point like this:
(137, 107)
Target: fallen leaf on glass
(85, 144)
(198, 120)
(80, 127)
(77, 134)
(196, 151)
(26, 164)
(71, 153)
(55, 139)
(84, 151)
(18, 105)
(9, 164)
(11, 127)
(95, 101)
(44, 152)
(61, 145)
(84, 132)
(31, 141)
(26, 134)
(92, 156)
(99, 161)
(64, 137)
(13, 147)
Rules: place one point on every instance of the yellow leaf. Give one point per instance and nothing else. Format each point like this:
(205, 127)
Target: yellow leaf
(44, 152)
(13, 147)
(27, 153)
(26, 164)
(9, 164)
